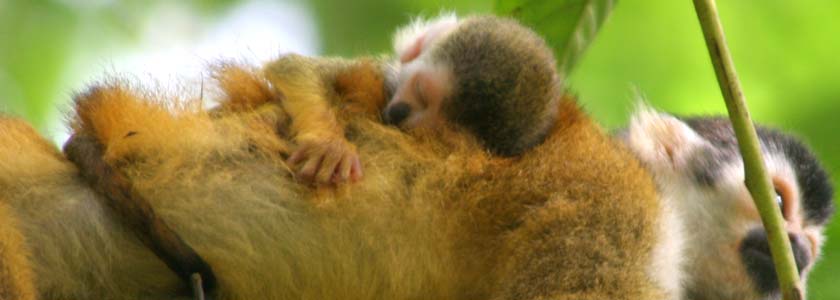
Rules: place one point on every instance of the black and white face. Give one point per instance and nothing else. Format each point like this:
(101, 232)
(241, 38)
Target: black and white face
(699, 172)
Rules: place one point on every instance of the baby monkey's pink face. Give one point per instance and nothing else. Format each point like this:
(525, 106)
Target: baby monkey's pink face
(423, 84)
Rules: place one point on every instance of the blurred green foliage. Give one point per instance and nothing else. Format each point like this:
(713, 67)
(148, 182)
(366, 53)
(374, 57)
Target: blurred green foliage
(785, 53)
(569, 26)
(38, 37)
(362, 27)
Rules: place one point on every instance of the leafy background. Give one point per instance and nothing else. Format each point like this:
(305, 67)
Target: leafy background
(785, 52)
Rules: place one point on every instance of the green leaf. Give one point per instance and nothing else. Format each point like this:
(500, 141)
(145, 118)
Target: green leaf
(569, 26)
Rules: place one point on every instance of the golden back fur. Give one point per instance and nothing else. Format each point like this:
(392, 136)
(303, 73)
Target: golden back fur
(76, 248)
(16, 278)
(436, 216)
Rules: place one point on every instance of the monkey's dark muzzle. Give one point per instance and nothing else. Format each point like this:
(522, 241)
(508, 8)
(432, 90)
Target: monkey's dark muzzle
(755, 254)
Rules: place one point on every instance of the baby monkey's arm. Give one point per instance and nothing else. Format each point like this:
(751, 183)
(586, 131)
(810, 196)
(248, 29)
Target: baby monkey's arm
(324, 155)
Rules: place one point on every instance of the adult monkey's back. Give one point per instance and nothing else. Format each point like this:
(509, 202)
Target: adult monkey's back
(435, 217)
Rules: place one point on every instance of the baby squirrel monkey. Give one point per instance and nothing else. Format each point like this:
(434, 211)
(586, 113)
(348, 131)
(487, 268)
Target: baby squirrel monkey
(700, 175)
(490, 76)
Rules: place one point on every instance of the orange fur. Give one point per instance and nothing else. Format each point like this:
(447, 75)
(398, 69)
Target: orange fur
(243, 89)
(123, 120)
(530, 219)
(21, 136)
(16, 278)
(597, 199)
(361, 88)
(436, 216)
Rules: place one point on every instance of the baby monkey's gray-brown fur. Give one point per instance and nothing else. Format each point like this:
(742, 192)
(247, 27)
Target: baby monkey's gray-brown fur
(499, 78)
(491, 76)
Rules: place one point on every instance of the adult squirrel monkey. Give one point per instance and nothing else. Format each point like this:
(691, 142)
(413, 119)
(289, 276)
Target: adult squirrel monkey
(572, 216)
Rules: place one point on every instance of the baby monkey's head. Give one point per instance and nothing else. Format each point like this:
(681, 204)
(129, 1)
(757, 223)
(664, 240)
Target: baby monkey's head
(488, 75)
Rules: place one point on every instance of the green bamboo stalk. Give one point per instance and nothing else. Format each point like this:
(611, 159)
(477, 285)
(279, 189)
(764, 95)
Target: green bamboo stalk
(755, 175)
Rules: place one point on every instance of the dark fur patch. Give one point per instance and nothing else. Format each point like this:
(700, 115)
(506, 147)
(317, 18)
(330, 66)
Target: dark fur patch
(814, 183)
(706, 166)
(718, 132)
(707, 163)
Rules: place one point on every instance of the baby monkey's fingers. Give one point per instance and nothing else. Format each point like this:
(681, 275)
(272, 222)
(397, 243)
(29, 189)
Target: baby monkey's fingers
(349, 169)
(330, 164)
(356, 169)
(326, 162)
(296, 157)
(306, 160)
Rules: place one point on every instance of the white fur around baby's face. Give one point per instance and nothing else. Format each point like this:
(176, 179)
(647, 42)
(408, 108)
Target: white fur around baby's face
(423, 84)
(411, 40)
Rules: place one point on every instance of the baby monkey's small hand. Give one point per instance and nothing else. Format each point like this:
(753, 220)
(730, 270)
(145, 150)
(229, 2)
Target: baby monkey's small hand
(326, 161)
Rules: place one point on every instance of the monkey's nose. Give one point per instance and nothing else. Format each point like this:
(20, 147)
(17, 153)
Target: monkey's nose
(397, 113)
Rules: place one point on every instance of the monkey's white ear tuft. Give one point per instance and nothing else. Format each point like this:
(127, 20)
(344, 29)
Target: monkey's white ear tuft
(660, 140)
(411, 39)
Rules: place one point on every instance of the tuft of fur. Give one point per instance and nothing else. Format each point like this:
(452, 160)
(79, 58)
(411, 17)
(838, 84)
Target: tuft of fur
(406, 38)
(243, 89)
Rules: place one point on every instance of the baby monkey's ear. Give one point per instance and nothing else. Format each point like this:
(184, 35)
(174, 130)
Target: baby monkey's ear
(411, 40)
(661, 141)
